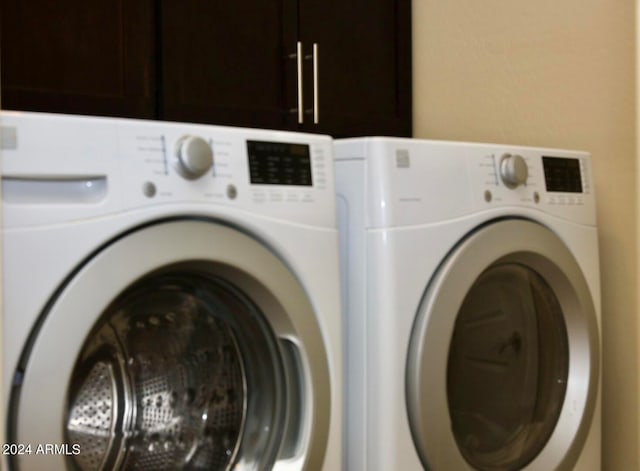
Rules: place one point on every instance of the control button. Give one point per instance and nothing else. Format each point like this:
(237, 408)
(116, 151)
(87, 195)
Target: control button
(536, 197)
(193, 157)
(275, 196)
(232, 192)
(513, 170)
(149, 189)
(488, 196)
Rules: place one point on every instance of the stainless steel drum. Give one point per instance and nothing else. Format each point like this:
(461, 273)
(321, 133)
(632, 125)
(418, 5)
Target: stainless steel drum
(180, 372)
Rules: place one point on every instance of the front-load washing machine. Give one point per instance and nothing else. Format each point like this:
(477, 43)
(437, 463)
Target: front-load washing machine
(472, 306)
(162, 308)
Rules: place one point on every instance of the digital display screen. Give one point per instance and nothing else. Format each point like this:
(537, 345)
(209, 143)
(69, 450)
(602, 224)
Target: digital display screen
(562, 174)
(279, 163)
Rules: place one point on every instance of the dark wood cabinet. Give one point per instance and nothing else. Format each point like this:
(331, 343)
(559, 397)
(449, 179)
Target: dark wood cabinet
(363, 65)
(230, 63)
(224, 62)
(74, 56)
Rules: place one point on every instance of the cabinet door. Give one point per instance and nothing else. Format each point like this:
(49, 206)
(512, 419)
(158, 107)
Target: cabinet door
(227, 62)
(74, 56)
(364, 65)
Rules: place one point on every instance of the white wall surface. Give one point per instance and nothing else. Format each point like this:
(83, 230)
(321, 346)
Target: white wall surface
(557, 74)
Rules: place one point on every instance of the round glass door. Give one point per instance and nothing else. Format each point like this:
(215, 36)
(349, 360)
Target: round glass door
(507, 368)
(503, 359)
(175, 373)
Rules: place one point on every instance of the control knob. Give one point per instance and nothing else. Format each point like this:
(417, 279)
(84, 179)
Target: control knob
(193, 157)
(513, 170)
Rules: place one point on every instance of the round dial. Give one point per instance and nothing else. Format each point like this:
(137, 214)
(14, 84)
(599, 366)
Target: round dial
(193, 157)
(513, 170)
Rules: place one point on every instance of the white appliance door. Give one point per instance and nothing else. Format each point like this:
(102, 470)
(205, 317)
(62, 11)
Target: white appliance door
(503, 363)
(185, 344)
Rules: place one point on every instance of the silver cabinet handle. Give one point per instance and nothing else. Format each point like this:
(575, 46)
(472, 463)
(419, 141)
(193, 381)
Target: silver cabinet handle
(298, 57)
(300, 99)
(314, 57)
(316, 96)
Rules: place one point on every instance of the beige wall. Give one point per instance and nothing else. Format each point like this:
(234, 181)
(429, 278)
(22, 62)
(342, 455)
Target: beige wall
(557, 74)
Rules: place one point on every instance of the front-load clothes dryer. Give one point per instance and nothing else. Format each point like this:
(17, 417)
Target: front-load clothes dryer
(162, 308)
(472, 306)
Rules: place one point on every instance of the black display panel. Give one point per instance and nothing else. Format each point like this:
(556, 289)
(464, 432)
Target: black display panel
(279, 163)
(562, 174)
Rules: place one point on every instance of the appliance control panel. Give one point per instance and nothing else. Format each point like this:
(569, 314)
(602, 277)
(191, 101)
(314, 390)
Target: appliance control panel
(413, 181)
(101, 165)
(250, 168)
(532, 176)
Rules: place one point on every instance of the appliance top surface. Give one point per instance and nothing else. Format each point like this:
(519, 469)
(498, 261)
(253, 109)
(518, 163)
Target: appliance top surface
(58, 168)
(413, 181)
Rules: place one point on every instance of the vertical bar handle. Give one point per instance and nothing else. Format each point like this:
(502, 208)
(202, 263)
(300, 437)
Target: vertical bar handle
(299, 67)
(316, 96)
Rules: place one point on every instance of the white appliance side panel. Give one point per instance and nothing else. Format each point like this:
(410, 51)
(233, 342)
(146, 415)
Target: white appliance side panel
(350, 148)
(350, 184)
(399, 269)
(414, 183)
